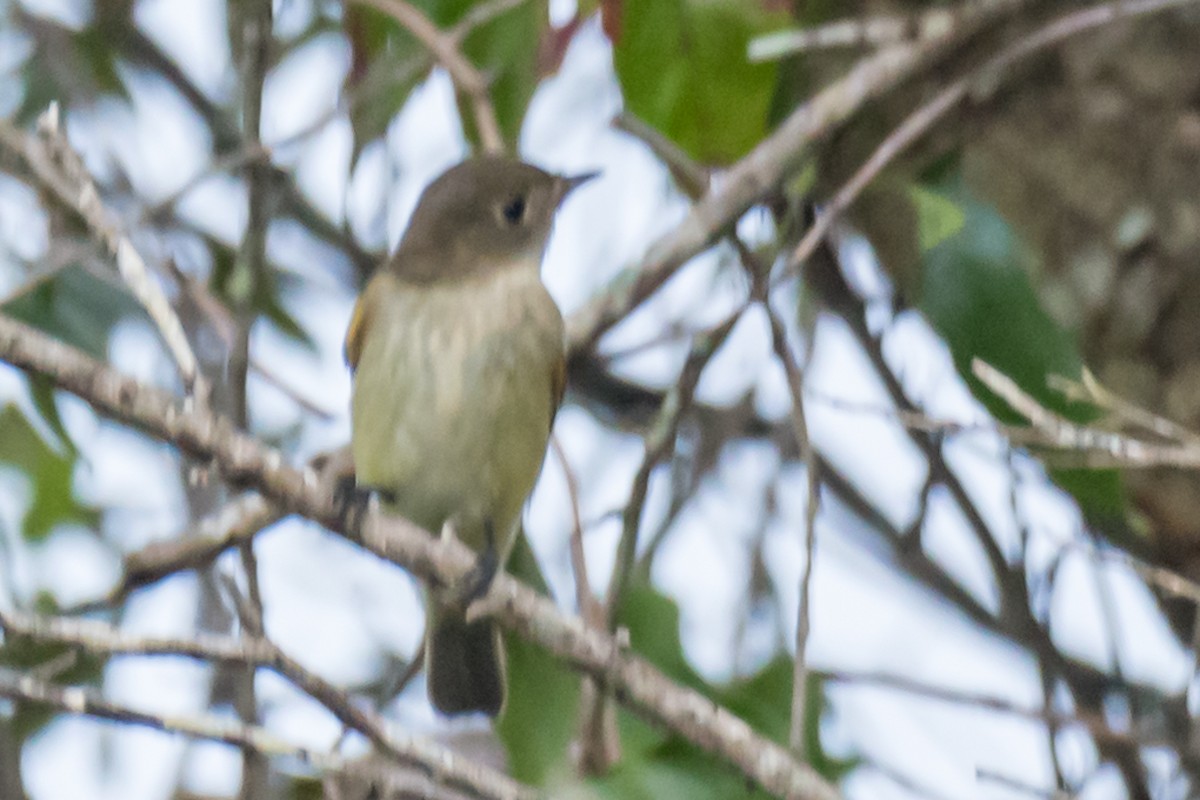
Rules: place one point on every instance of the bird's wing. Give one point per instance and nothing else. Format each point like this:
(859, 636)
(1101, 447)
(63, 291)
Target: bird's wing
(359, 320)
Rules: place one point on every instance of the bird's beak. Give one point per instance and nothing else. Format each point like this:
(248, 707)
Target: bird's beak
(569, 183)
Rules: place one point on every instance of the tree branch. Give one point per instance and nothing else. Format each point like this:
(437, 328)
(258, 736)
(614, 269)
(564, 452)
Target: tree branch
(430, 757)
(246, 462)
(76, 700)
(249, 280)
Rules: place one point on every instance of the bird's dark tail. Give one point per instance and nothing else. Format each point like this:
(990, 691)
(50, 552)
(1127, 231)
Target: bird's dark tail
(464, 664)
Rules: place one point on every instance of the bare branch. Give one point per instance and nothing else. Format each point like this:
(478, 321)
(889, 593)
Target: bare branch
(249, 279)
(76, 700)
(245, 461)
(660, 443)
(1097, 448)
(236, 522)
(872, 31)
(795, 381)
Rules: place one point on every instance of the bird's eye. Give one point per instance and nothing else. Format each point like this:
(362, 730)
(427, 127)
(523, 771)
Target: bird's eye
(513, 210)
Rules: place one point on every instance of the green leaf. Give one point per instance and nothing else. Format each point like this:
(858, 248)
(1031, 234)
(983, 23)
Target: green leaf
(505, 49)
(287, 324)
(50, 473)
(304, 788)
(764, 700)
(977, 293)
(676, 770)
(100, 58)
(938, 217)
(543, 697)
(653, 624)
(41, 86)
(76, 307)
(41, 391)
(682, 67)
(832, 768)
(382, 73)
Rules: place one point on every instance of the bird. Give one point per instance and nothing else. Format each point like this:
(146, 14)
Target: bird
(457, 355)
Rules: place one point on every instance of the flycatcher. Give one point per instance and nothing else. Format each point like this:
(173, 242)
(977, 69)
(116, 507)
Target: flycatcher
(457, 352)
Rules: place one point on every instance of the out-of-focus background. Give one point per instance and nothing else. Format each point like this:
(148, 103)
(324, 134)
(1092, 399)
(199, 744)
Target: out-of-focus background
(985, 620)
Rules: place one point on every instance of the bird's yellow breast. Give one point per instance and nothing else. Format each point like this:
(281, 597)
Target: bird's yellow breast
(454, 396)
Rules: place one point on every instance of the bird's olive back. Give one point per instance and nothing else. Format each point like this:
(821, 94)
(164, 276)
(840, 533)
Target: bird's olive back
(476, 217)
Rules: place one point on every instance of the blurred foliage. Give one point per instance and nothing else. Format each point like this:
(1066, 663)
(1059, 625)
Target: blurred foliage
(50, 662)
(386, 65)
(49, 469)
(682, 68)
(542, 715)
(80, 309)
(976, 291)
(506, 49)
(543, 696)
(77, 307)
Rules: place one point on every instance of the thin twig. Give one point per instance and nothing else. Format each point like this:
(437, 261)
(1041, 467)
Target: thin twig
(1009, 782)
(598, 743)
(795, 381)
(1096, 724)
(1046, 671)
(76, 700)
(869, 31)
(1089, 390)
(1101, 448)
(444, 48)
(660, 441)
(481, 14)
(692, 178)
(383, 75)
(589, 606)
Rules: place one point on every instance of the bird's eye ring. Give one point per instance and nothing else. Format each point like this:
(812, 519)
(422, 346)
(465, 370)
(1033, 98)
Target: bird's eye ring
(513, 210)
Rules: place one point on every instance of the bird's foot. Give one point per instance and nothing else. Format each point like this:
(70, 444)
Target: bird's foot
(351, 502)
(478, 580)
